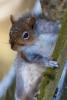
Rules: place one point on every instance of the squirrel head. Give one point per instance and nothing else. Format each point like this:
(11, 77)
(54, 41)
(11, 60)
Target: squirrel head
(22, 32)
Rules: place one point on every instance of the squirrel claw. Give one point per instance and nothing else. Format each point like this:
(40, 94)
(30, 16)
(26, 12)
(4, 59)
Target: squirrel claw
(53, 64)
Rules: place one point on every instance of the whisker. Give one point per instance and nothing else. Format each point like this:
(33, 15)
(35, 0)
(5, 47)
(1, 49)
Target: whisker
(1, 42)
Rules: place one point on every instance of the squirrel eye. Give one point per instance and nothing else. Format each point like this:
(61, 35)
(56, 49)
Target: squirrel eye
(25, 35)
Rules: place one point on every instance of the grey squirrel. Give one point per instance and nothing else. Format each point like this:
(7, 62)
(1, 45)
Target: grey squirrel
(34, 44)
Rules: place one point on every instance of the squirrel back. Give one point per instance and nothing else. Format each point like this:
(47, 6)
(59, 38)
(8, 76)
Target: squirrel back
(53, 9)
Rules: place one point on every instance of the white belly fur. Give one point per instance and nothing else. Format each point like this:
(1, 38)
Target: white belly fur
(29, 74)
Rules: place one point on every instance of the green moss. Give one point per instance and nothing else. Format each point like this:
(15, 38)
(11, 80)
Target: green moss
(42, 87)
(62, 37)
(50, 73)
(48, 76)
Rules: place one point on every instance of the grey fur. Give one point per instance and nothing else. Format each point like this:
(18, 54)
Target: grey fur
(29, 75)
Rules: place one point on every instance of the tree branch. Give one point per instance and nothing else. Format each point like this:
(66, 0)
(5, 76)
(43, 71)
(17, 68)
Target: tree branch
(48, 87)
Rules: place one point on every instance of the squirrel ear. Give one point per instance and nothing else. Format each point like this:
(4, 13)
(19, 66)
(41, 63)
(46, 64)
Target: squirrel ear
(12, 19)
(31, 21)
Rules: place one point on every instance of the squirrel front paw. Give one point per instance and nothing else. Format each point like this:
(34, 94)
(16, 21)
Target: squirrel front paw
(53, 64)
(45, 60)
(39, 59)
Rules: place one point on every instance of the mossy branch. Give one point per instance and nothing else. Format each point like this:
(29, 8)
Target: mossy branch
(51, 87)
(48, 86)
(62, 37)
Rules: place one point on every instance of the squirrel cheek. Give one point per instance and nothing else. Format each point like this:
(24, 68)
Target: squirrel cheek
(20, 42)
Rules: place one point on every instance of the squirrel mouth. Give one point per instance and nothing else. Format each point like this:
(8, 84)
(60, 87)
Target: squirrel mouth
(13, 46)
